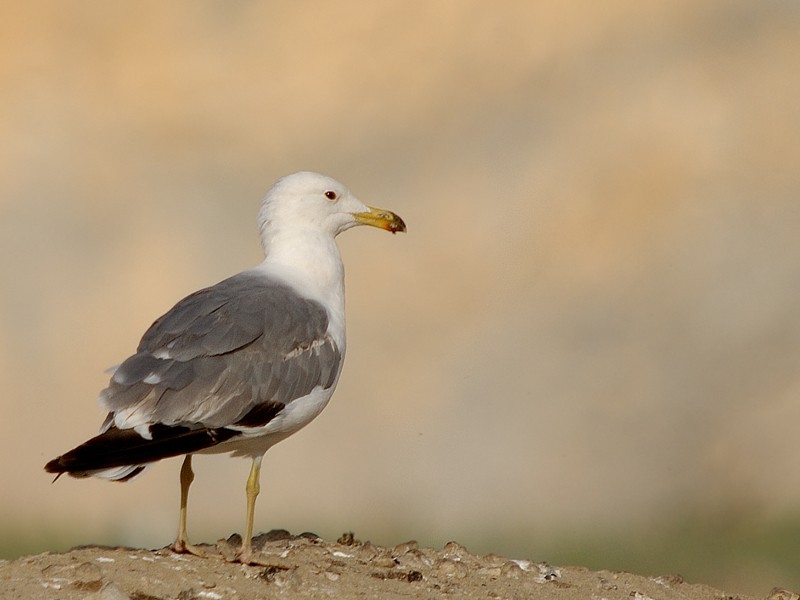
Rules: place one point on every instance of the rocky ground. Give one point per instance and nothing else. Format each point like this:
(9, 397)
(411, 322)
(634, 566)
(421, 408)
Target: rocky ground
(306, 566)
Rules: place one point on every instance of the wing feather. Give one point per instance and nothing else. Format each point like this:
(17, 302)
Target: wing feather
(221, 352)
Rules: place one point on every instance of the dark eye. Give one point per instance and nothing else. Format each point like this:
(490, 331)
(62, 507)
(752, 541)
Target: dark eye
(330, 195)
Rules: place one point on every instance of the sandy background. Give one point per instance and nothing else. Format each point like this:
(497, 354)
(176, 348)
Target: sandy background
(586, 347)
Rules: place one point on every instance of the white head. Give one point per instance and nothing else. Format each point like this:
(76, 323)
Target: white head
(308, 202)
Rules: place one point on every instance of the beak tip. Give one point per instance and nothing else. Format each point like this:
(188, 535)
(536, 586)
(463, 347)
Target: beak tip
(397, 225)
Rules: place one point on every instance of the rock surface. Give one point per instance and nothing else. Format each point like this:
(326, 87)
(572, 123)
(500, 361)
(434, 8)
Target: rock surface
(306, 566)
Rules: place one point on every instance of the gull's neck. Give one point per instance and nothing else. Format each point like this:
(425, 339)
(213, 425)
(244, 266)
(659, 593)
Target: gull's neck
(310, 261)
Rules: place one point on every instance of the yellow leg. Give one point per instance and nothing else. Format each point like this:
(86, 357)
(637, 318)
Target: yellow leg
(181, 545)
(245, 554)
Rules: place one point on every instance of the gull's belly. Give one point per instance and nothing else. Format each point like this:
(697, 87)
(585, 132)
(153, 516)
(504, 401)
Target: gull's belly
(255, 441)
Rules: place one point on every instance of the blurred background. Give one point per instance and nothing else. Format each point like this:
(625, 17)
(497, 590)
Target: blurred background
(584, 351)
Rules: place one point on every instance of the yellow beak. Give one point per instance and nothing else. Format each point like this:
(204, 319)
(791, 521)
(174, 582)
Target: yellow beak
(383, 219)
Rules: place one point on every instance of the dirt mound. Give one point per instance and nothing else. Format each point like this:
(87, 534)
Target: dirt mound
(306, 566)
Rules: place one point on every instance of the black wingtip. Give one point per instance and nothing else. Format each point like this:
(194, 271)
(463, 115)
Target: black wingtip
(126, 448)
(54, 466)
(58, 467)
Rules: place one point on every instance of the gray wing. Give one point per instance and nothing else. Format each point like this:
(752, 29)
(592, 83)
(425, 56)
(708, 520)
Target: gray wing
(225, 355)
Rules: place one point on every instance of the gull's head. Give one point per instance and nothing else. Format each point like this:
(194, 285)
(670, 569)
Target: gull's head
(310, 202)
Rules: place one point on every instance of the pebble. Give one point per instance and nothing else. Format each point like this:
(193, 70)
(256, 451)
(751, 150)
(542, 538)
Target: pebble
(273, 535)
(369, 551)
(782, 594)
(547, 573)
(511, 570)
(455, 551)
(348, 538)
(446, 567)
(85, 575)
(384, 561)
(415, 559)
(494, 560)
(405, 548)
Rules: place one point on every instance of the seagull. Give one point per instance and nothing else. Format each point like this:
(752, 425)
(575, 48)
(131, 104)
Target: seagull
(241, 365)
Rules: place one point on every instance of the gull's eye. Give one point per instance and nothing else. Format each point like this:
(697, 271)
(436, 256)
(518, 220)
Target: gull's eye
(330, 195)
